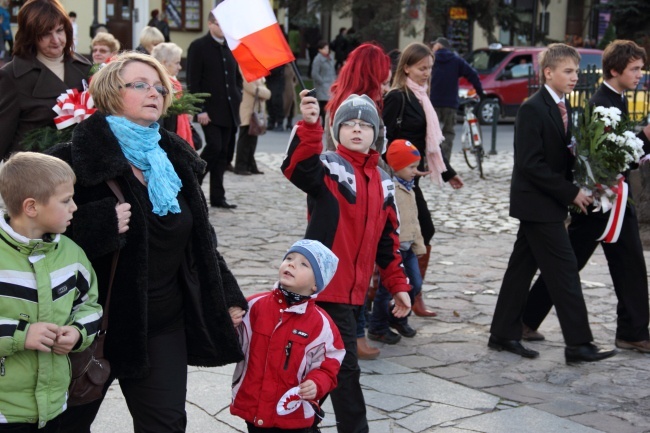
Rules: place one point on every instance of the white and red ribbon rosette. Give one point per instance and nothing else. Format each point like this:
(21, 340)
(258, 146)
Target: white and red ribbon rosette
(291, 401)
(72, 107)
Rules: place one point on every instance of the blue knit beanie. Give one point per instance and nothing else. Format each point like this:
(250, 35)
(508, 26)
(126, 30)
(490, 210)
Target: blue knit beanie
(322, 260)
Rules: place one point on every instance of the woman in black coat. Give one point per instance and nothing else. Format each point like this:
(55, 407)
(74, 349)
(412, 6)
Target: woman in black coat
(174, 302)
(405, 116)
(401, 102)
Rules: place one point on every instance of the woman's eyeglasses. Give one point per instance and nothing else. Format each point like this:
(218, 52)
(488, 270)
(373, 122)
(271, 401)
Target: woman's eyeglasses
(362, 125)
(144, 87)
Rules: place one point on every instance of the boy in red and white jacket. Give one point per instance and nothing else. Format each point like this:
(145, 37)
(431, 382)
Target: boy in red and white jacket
(292, 349)
(352, 210)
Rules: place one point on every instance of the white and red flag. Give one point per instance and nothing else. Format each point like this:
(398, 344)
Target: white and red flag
(254, 36)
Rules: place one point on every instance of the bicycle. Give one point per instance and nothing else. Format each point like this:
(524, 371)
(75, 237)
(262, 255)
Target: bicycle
(471, 137)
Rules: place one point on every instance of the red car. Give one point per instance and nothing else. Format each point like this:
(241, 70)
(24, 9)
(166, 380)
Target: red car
(505, 73)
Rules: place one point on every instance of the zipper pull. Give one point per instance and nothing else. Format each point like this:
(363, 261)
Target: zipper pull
(2, 365)
(287, 352)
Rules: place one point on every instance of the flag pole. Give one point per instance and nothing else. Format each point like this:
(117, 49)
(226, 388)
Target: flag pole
(297, 72)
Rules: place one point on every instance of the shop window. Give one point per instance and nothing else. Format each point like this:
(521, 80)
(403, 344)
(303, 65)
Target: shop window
(184, 15)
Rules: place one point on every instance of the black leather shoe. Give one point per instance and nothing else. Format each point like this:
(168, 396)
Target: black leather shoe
(223, 204)
(404, 330)
(512, 346)
(588, 352)
(389, 337)
(256, 172)
(242, 172)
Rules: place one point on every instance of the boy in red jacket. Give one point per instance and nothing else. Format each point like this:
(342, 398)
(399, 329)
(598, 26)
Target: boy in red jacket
(351, 205)
(292, 349)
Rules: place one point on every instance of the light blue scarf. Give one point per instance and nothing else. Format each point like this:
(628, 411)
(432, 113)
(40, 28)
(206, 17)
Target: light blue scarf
(140, 147)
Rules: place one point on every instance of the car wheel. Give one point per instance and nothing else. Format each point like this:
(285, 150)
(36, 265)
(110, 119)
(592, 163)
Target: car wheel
(485, 110)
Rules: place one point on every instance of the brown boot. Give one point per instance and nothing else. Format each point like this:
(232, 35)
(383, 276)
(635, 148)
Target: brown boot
(366, 351)
(419, 308)
(423, 262)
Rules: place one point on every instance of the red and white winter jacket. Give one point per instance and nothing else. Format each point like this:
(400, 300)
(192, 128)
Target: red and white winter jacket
(283, 347)
(352, 211)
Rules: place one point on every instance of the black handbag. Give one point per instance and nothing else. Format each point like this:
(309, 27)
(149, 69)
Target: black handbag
(196, 138)
(257, 124)
(90, 370)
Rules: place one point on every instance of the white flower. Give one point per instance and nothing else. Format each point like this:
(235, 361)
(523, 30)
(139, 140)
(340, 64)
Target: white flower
(609, 116)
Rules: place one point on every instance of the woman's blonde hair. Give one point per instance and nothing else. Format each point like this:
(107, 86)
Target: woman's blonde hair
(166, 52)
(107, 82)
(150, 37)
(108, 40)
(413, 53)
(31, 175)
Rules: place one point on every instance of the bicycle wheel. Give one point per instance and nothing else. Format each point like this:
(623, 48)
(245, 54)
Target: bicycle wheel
(469, 157)
(478, 154)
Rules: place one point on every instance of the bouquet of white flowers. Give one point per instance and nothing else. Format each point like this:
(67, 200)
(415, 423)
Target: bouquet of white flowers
(604, 147)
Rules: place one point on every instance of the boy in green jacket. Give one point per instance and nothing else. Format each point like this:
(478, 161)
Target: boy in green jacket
(48, 292)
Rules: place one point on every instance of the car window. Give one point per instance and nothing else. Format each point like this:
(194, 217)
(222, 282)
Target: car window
(519, 67)
(522, 70)
(485, 61)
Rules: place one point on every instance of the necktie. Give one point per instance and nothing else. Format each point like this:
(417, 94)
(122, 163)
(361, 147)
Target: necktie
(565, 118)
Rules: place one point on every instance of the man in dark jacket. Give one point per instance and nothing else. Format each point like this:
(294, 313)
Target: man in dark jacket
(623, 68)
(447, 69)
(211, 68)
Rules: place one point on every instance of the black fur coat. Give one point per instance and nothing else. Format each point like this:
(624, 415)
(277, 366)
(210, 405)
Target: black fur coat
(209, 286)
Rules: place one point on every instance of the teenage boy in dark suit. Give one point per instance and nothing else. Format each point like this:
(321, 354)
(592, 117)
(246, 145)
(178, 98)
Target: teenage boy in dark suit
(540, 193)
(623, 68)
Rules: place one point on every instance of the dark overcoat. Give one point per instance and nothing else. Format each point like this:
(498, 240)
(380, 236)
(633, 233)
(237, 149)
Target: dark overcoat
(211, 68)
(28, 91)
(208, 285)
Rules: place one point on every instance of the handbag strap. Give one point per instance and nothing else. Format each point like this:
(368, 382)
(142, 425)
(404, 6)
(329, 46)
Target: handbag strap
(398, 122)
(257, 100)
(115, 187)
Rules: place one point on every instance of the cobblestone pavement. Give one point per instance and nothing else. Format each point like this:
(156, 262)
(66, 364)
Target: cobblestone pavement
(445, 379)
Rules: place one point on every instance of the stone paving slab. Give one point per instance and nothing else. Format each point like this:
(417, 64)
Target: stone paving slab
(435, 415)
(428, 388)
(523, 419)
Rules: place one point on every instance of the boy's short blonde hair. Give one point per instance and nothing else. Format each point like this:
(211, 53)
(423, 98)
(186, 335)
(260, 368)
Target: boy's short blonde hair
(553, 55)
(31, 175)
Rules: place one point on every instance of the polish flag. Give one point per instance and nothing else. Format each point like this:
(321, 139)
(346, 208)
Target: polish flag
(253, 36)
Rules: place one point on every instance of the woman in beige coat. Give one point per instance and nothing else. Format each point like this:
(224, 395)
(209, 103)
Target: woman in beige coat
(245, 160)
(289, 95)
